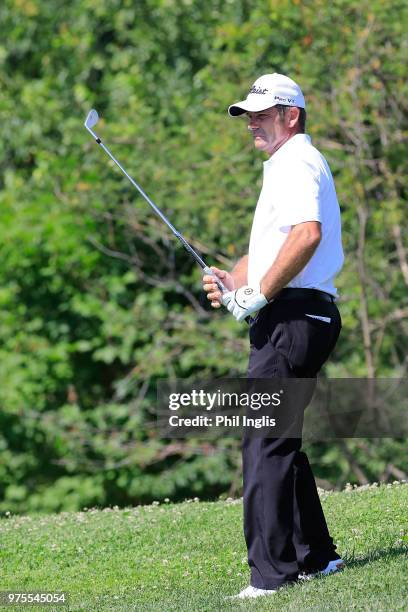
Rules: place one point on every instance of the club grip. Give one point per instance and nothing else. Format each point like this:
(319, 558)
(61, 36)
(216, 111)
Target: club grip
(220, 284)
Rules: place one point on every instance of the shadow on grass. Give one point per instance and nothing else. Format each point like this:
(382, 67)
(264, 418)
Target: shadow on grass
(375, 555)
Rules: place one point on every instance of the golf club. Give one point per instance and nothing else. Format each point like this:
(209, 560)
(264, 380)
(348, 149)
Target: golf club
(91, 120)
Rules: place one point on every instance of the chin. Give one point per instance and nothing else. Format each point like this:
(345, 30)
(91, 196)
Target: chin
(260, 144)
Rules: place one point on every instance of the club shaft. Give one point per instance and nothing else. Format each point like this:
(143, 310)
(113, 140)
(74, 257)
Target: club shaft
(157, 210)
(163, 217)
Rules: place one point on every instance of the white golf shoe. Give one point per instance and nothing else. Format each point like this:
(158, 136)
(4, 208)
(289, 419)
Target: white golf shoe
(332, 567)
(252, 592)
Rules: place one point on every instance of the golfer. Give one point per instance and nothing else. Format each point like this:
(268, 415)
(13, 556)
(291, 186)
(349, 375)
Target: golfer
(288, 279)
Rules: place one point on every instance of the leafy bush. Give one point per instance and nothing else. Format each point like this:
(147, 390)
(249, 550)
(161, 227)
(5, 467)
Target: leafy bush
(97, 301)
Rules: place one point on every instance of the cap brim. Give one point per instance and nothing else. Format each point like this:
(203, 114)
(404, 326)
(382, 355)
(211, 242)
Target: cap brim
(252, 106)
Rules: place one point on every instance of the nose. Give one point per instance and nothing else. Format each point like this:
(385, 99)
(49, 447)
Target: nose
(253, 124)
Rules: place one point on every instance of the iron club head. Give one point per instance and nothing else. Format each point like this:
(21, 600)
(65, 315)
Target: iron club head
(92, 119)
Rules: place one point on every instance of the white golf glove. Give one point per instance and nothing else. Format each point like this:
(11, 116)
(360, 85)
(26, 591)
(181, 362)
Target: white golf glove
(244, 301)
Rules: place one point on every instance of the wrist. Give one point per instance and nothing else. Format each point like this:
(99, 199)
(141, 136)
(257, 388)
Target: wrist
(263, 290)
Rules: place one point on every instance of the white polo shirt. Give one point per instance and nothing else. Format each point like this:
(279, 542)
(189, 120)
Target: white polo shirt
(297, 187)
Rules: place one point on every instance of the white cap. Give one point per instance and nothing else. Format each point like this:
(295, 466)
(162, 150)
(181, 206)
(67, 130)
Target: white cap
(269, 90)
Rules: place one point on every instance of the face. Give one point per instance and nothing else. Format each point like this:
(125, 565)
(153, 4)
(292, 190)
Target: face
(269, 129)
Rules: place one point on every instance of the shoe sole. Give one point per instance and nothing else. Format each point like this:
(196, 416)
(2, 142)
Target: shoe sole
(337, 568)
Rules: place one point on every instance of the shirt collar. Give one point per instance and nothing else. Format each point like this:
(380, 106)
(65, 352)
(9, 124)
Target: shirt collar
(296, 140)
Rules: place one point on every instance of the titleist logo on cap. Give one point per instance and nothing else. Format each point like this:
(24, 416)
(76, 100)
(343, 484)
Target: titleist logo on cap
(257, 90)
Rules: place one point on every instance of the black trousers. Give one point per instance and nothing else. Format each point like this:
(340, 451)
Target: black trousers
(284, 525)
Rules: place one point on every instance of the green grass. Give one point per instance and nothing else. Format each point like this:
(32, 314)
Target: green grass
(189, 556)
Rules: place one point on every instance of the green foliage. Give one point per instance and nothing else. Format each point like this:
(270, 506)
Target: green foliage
(97, 301)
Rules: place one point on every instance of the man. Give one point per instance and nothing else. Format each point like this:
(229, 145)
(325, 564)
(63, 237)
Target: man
(294, 254)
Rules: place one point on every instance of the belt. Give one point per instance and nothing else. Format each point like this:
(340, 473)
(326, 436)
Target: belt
(290, 293)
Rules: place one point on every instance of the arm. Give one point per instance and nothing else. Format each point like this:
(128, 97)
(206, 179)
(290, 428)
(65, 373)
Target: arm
(294, 254)
(296, 251)
(240, 272)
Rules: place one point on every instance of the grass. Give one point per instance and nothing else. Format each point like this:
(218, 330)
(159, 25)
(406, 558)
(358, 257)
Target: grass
(189, 556)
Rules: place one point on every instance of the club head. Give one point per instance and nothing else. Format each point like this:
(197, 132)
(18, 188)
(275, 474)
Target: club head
(92, 119)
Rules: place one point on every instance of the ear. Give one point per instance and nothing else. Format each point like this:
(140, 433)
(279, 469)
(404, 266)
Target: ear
(293, 116)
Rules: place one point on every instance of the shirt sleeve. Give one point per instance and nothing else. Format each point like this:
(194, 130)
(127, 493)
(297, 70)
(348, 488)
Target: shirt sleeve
(298, 198)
